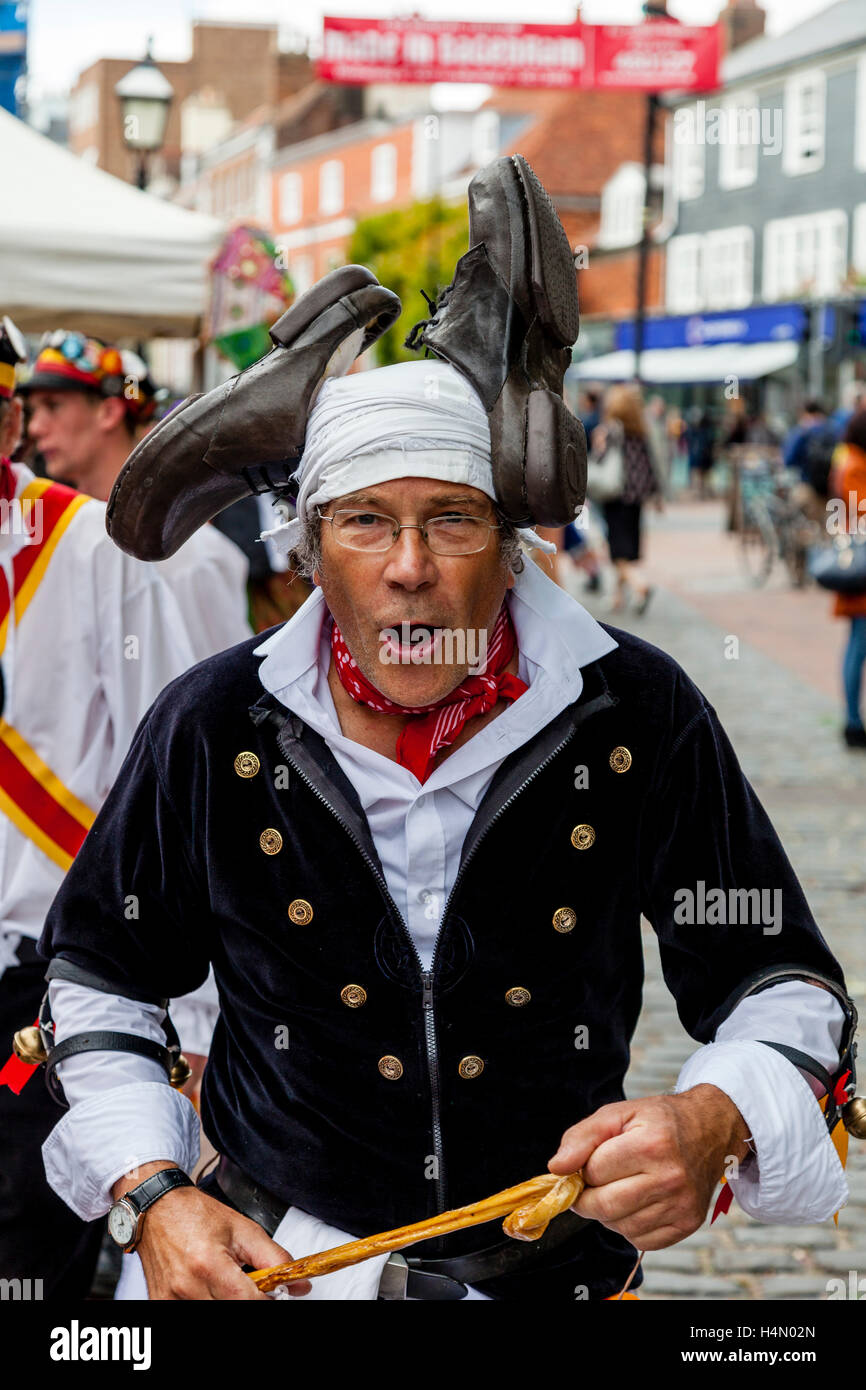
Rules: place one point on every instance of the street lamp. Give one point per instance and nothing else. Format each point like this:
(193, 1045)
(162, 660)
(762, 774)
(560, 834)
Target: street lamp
(145, 96)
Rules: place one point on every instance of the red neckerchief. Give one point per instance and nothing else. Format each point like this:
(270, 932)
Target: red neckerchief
(7, 480)
(438, 725)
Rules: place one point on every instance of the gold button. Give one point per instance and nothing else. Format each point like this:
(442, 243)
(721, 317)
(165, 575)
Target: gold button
(271, 841)
(564, 919)
(517, 996)
(582, 836)
(301, 912)
(620, 759)
(354, 996)
(391, 1068)
(470, 1067)
(246, 764)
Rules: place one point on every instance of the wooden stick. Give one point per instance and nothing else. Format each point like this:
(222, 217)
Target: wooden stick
(529, 1206)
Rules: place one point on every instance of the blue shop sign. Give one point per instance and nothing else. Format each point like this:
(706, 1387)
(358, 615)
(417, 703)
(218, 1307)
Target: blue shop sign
(771, 323)
(862, 324)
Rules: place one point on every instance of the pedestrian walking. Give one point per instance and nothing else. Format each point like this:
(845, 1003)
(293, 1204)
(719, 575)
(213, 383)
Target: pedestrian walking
(623, 427)
(850, 485)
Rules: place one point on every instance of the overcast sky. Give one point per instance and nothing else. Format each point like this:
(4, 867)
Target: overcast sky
(65, 37)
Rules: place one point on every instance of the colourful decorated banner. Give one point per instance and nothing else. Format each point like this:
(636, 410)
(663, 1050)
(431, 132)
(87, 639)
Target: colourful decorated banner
(249, 289)
(655, 57)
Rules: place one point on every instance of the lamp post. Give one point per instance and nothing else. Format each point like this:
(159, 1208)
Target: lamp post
(145, 97)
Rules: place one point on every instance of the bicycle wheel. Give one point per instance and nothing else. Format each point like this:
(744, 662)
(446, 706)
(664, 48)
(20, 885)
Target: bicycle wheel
(758, 545)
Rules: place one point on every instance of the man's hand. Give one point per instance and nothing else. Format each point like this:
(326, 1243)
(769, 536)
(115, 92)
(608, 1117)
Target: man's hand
(651, 1165)
(193, 1247)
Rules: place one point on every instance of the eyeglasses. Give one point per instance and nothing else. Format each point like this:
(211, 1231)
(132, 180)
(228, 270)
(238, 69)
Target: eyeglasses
(452, 534)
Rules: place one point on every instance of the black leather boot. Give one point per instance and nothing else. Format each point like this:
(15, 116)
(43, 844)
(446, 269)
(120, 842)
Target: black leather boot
(247, 435)
(507, 322)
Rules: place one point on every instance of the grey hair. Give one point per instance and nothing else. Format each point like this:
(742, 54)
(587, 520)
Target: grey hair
(306, 557)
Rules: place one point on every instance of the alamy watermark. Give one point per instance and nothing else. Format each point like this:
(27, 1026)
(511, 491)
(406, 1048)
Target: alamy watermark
(410, 644)
(847, 517)
(702, 906)
(729, 125)
(22, 517)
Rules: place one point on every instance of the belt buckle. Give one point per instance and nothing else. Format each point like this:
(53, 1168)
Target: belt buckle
(404, 1280)
(394, 1280)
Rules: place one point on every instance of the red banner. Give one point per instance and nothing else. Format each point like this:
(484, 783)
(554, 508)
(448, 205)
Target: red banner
(359, 51)
(655, 56)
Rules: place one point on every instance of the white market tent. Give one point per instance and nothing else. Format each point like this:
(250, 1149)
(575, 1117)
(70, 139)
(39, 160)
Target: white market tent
(81, 249)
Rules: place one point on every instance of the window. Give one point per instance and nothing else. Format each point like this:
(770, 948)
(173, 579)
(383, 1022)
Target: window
(383, 173)
(84, 108)
(301, 272)
(741, 138)
(331, 187)
(858, 241)
(291, 199)
(860, 116)
(622, 203)
(684, 274)
(485, 137)
(688, 155)
(805, 256)
(727, 259)
(804, 122)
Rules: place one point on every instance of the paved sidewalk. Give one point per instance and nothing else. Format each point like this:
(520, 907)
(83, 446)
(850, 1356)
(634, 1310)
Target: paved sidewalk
(778, 701)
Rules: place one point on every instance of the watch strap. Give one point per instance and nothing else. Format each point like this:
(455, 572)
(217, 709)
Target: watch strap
(149, 1191)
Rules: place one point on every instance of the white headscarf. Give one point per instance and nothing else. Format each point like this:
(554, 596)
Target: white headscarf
(411, 420)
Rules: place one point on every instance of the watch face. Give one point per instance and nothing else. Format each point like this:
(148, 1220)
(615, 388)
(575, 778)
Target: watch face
(121, 1224)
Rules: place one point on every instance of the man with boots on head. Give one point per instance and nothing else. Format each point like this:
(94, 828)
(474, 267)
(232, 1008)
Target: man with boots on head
(414, 830)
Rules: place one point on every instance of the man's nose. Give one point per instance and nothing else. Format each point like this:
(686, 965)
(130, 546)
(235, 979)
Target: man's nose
(34, 424)
(410, 563)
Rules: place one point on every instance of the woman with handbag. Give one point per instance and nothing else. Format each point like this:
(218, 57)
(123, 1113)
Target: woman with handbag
(621, 478)
(850, 486)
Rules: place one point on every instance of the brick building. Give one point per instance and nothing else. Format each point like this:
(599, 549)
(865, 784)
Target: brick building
(233, 70)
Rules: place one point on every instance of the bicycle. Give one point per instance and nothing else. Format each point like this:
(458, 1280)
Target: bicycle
(773, 526)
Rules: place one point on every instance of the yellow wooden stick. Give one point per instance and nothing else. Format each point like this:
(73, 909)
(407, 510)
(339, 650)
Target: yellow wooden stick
(529, 1207)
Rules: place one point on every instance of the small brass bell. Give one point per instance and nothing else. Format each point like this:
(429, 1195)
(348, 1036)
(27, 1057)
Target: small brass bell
(181, 1071)
(854, 1117)
(27, 1044)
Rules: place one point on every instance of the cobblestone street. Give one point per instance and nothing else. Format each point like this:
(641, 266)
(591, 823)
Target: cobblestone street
(778, 701)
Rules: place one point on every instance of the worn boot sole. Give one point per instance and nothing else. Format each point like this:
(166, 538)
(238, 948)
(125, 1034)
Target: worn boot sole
(247, 435)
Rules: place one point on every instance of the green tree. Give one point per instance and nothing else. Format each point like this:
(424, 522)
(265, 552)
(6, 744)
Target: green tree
(410, 250)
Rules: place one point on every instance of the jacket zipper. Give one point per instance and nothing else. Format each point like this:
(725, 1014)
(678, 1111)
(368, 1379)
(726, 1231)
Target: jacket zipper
(430, 1037)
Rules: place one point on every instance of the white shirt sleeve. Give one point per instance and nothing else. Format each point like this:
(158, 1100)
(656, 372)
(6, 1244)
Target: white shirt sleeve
(143, 644)
(123, 1112)
(797, 1177)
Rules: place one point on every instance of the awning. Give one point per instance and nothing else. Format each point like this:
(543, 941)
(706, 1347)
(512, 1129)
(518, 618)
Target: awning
(676, 366)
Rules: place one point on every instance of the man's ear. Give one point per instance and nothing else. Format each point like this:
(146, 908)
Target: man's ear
(111, 413)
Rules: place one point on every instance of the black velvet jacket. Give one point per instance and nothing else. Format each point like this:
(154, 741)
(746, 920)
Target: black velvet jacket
(436, 1089)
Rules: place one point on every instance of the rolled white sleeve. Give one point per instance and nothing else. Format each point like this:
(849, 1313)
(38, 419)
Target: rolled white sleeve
(797, 1177)
(122, 1110)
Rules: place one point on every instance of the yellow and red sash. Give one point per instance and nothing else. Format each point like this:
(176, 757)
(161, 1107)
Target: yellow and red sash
(31, 795)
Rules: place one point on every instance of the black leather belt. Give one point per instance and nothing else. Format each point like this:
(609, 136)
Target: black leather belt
(444, 1279)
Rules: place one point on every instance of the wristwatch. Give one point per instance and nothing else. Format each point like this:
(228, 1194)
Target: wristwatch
(126, 1217)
